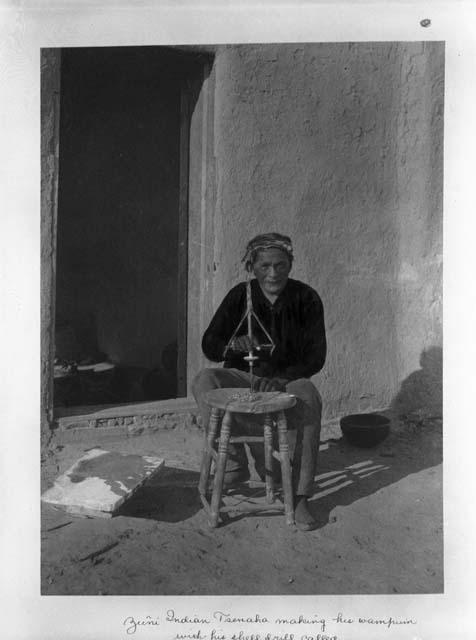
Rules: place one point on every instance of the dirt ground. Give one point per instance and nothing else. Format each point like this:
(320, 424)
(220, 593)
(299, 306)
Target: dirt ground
(379, 512)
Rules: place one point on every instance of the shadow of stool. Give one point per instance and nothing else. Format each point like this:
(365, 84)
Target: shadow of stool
(224, 404)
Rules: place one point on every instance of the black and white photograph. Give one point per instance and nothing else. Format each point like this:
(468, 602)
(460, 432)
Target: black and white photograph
(242, 319)
(237, 320)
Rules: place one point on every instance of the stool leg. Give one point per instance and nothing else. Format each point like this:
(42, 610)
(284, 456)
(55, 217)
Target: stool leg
(207, 450)
(220, 468)
(285, 468)
(268, 457)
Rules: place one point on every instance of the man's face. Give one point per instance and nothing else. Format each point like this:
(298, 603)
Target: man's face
(271, 268)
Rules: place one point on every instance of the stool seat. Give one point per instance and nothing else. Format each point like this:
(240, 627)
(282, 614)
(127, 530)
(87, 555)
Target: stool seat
(239, 400)
(224, 404)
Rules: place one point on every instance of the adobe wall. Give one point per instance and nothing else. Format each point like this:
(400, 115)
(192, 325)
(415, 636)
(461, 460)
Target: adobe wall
(341, 146)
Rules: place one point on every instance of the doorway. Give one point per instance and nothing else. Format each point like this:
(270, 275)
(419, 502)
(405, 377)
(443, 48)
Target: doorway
(122, 224)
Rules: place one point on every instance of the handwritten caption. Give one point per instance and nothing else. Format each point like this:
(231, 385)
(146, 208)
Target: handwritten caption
(220, 625)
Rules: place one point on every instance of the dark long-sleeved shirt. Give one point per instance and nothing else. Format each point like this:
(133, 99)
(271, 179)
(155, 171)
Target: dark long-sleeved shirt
(295, 322)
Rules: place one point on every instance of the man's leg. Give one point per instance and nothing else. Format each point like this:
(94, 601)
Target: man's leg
(304, 429)
(220, 378)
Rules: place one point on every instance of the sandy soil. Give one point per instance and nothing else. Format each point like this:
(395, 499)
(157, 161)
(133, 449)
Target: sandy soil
(379, 512)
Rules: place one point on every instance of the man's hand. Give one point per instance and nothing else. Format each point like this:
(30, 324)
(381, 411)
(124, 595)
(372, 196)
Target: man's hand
(270, 384)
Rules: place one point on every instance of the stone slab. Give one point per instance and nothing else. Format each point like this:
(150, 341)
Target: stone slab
(100, 482)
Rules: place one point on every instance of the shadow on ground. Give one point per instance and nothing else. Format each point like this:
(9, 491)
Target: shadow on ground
(345, 473)
(170, 497)
(379, 514)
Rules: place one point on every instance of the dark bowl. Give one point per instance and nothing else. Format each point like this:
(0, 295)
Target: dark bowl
(365, 429)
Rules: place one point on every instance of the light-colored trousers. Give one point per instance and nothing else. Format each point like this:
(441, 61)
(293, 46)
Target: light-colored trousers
(304, 424)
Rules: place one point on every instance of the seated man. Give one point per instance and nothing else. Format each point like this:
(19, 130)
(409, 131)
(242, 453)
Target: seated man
(292, 314)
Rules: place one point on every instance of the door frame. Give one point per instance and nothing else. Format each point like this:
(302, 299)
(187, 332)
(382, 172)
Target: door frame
(197, 196)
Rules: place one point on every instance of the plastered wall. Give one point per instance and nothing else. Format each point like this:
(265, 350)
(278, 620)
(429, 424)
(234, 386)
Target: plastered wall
(341, 147)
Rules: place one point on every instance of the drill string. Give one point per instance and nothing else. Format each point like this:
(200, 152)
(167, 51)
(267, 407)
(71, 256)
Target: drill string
(259, 346)
(249, 314)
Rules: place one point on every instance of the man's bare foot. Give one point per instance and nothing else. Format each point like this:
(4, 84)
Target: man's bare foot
(302, 516)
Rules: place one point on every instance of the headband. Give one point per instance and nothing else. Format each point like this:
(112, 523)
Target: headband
(260, 243)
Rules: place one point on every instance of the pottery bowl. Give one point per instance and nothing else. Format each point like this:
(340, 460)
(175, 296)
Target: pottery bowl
(365, 429)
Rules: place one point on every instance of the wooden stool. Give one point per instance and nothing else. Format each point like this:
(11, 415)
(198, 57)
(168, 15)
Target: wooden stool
(224, 403)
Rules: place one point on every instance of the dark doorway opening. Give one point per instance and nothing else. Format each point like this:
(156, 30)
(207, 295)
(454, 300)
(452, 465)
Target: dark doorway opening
(121, 289)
